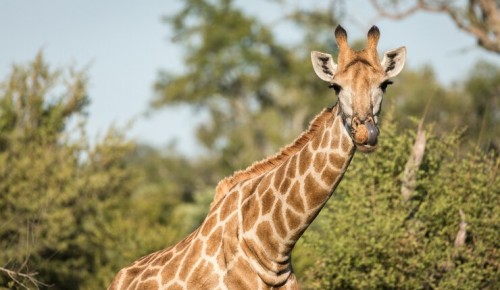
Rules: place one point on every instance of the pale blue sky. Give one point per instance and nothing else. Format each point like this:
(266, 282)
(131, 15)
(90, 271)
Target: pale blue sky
(126, 44)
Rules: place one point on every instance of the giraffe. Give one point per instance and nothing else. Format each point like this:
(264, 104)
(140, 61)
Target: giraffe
(259, 213)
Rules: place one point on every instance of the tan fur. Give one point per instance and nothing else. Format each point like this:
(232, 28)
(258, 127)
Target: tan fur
(269, 163)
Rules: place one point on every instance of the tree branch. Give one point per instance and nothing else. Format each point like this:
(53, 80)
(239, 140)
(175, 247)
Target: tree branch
(481, 19)
(29, 276)
(397, 15)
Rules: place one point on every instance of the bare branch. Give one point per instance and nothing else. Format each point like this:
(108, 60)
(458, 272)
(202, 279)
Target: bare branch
(481, 18)
(395, 15)
(409, 179)
(29, 276)
(462, 230)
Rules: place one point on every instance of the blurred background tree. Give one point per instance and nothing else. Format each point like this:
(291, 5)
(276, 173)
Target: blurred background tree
(251, 85)
(61, 206)
(472, 104)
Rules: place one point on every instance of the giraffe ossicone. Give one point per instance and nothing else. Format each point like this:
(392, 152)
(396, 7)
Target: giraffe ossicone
(259, 213)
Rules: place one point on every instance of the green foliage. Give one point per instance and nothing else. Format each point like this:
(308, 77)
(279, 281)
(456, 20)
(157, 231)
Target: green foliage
(369, 237)
(484, 91)
(251, 85)
(60, 197)
(73, 212)
(169, 200)
(472, 105)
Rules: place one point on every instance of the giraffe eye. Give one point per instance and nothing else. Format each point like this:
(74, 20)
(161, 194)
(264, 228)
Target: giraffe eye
(383, 86)
(335, 87)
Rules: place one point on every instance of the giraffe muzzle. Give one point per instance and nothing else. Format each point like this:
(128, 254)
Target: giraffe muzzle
(365, 134)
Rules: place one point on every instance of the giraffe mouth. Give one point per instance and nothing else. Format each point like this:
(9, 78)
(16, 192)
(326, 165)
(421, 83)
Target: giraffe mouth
(366, 148)
(365, 136)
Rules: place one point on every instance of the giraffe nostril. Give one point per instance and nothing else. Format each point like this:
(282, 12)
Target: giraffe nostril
(355, 122)
(358, 120)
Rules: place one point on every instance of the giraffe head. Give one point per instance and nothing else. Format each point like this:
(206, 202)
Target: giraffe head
(359, 79)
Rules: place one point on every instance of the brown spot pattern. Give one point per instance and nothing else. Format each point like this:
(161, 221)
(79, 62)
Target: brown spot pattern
(285, 185)
(238, 276)
(279, 221)
(209, 224)
(293, 220)
(148, 285)
(250, 213)
(162, 259)
(203, 277)
(130, 275)
(176, 286)
(304, 161)
(316, 141)
(264, 183)
(315, 193)
(346, 144)
(266, 233)
(267, 201)
(169, 272)
(149, 273)
(329, 175)
(336, 160)
(295, 200)
(193, 255)
(279, 176)
(292, 167)
(320, 161)
(326, 140)
(229, 205)
(213, 242)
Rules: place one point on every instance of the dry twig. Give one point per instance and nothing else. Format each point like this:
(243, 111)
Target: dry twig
(409, 179)
(462, 230)
(15, 276)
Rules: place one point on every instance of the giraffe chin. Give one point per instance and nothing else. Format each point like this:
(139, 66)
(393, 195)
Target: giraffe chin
(365, 148)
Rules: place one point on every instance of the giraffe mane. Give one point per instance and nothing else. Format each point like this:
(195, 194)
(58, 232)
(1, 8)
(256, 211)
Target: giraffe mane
(260, 167)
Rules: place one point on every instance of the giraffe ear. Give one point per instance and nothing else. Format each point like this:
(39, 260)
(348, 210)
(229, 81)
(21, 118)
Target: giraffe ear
(323, 65)
(394, 61)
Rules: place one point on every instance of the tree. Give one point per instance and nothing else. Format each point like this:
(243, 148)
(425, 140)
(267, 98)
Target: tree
(172, 196)
(479, 18)
(419, 93)
(251, 86)
(483, 89)
(61, 207)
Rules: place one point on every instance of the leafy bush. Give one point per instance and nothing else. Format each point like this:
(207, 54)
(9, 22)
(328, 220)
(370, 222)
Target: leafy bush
(370, 237)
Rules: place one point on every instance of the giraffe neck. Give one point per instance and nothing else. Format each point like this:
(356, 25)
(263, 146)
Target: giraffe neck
(278, 206)
(246, 240)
